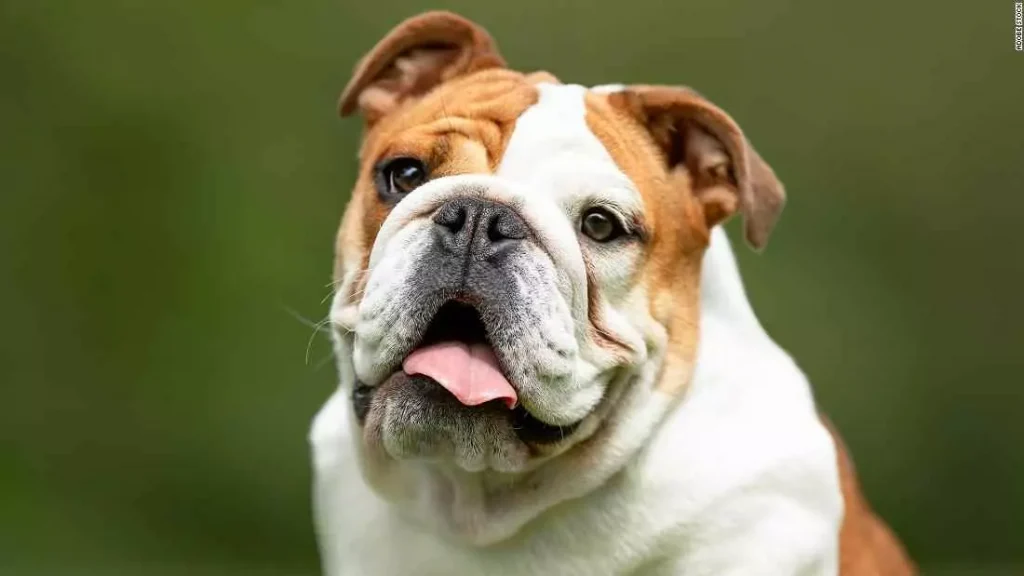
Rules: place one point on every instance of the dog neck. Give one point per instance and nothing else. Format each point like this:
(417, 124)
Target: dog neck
(722, 295)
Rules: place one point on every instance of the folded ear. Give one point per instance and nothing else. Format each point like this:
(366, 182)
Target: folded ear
(415, 57)
(726, 174)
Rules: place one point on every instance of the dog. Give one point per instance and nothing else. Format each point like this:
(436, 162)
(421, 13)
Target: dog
(548, 363)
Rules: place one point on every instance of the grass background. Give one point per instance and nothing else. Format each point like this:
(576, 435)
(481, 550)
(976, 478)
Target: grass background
(173, 173)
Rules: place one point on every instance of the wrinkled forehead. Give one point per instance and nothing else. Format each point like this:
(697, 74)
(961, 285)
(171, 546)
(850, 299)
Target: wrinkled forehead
(566, 141)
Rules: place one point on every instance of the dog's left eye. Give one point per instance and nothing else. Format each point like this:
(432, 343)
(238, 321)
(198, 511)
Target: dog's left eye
(600, 225)
(399, 176)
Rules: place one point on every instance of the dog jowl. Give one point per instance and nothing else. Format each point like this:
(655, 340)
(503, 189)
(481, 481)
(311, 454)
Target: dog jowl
(547, 359)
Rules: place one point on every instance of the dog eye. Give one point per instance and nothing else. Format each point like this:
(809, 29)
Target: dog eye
(399, 176)
(600, 225)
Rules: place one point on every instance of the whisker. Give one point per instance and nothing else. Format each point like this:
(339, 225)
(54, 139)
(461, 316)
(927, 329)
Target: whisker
(302, 319)
(320, 364)
(328, 297)
(317, 328)
(334, 285)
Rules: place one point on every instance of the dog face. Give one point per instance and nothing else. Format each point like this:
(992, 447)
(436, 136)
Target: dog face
(518, 269)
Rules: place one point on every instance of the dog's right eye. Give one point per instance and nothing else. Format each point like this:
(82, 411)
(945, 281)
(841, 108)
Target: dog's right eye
(399, 176)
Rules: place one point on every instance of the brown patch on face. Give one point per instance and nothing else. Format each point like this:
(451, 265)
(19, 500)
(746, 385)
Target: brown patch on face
(461, 127)
(676, 231)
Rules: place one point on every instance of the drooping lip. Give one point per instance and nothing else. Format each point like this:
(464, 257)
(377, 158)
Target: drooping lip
(526, 426)
(459, 319)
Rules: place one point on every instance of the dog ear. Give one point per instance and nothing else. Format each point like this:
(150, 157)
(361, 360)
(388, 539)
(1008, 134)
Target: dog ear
(415, 57)
(727, 175)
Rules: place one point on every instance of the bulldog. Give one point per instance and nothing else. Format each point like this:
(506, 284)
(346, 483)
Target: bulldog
(548, 363)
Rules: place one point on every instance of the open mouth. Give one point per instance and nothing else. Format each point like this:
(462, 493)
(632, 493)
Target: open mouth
(456, 354)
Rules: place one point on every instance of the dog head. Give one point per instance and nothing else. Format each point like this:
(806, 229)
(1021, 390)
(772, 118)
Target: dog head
(518, 270)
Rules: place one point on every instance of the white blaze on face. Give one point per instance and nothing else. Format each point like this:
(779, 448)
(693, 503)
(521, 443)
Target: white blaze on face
(554, 154)
(554, 157)
(552, 130)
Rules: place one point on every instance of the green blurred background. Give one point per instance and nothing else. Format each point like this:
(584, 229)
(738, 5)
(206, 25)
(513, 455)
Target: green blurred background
(173, 173)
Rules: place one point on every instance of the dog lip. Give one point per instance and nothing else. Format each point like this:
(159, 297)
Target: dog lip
(463, 309)
(527, 427)
(362, 397)
(533, 430)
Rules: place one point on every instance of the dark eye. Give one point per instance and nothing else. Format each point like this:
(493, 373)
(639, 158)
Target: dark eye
(600, 225)
(399, 176)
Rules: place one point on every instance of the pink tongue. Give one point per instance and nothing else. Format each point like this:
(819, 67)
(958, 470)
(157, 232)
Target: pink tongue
(469, 371)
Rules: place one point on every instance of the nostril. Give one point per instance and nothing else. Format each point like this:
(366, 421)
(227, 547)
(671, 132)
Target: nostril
(494, 231)
(505, 226)
(452, 216)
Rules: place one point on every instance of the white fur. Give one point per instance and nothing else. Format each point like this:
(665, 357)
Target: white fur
(607, 88)
(738, 477)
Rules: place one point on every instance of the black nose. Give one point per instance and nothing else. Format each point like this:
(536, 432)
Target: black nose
(478, 227)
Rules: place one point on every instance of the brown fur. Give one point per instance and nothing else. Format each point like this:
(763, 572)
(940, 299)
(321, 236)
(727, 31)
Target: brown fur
(419, 54)
(675, 226)
(867, 547)
(436, 88)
